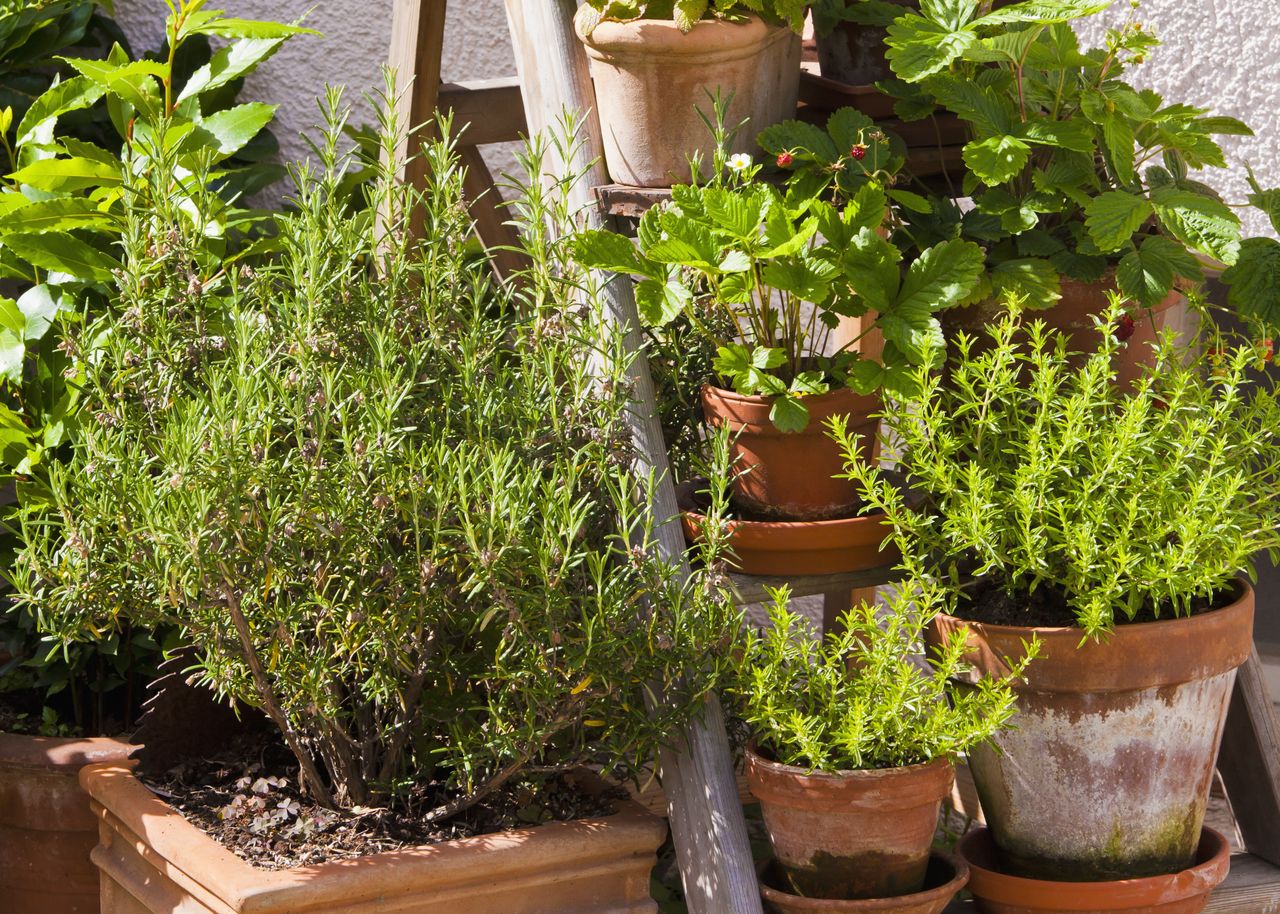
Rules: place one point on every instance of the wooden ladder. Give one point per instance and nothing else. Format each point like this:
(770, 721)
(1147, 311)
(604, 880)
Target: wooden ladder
(704, 805)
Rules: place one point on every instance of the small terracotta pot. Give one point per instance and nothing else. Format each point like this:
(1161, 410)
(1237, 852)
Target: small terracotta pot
(851, 835)
(797, 547)
(651, 79)
(1106, 774)
(152, 860)
(1185, 892)
(1073, 315)
(791, 475)
(46, 829)
(945, 877)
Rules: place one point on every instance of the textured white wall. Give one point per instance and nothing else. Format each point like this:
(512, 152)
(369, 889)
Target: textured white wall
(1219, 54)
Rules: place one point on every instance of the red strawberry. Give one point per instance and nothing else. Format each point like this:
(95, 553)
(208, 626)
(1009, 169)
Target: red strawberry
(785, 159)
(858, 152)
(1125, 327)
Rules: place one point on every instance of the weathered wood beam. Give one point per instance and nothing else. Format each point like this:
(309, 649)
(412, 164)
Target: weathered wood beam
(704, 809)
(1249, 761)
(491, 109)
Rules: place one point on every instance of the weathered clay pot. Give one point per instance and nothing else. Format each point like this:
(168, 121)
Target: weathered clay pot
(1107, 772)
(851, 835)
(651, 79)
(791, 475)
(1073, 315)
(46, 829)
(1186, 892)
(945, 877)
(797, 547)
(854, 54)
(153, 860)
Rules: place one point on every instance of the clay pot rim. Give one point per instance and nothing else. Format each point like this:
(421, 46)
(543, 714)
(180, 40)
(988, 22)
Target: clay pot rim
(959, 878)
(1213, 860)
(61, 753)
(1122, 662)
(786, 536)
(757, 407)
(198, 858)
(887, 789)
(653, 40)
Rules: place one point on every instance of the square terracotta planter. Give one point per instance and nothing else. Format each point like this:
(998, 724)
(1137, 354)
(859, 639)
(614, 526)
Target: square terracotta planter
(46, 828)
(152, 860)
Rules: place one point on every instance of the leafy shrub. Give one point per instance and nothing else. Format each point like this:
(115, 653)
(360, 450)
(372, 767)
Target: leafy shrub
(391, 505)
(857, 699)
(1072, 171)
(1042, 475)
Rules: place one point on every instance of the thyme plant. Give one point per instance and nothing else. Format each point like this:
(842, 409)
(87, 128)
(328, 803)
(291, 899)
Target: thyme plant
(1040, 472)
(858, 699)
(392, 504)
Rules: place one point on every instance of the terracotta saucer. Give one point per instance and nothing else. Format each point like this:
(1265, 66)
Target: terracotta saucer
(947, 876)
(796, 547)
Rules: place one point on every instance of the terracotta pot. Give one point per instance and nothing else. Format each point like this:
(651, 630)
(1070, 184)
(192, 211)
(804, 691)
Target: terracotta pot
(651, 79)
(153, 860)
(1186, 892)
(1107, 773)
(796, 547)
(945, 877)
(1074, 314)
(851, 835)
(791, 475)
(46, 829)
(855, 54)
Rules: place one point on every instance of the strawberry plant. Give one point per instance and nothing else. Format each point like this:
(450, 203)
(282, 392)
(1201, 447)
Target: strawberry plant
(1072, 171)
(687, 13)
(768, 273)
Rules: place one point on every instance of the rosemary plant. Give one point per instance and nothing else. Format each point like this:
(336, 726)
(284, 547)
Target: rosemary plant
(392, 504)
(1040, 472)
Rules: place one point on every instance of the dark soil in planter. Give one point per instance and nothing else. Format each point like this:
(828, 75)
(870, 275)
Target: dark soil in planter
(992, 604)
(247, 798)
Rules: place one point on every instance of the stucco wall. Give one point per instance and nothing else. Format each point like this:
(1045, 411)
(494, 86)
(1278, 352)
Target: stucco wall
(1223, 54)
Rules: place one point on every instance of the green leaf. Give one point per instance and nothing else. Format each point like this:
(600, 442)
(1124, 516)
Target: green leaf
(59, 214)
(736, 212)
(1145, 277)
(996, 159)
(248, 28)
(1075, 135)
(1203, 224)
(849, 127)
(68, 174)
(1224, 126)
(866, 376)
(941, 276)
(229, 63)
(1044, 12)
(1113, 218)
(69, 95)
(913, 202)
(12, 352)
(688, 12)
(804, 141)
(789, 414)
(62, 253)
(1031, 279)
(602, 250)
(232, 128)
(661, 302)
(919, 48)
(1253, 283)
(39, 306)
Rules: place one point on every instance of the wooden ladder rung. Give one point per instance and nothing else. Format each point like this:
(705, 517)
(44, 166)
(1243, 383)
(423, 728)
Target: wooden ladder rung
(752, 588)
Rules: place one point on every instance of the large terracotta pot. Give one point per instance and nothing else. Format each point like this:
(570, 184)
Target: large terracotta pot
(1107, 772)
(46, 829)
(651, 79)
(791, 475)
(153, 861)
(855, 834)
(1185, 892)
(1073, 315)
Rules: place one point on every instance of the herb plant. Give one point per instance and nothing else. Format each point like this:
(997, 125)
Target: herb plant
(1039, 474)
(1072, 171)
(687, 13)
(858, 699)
(769, 273)
(391, 504)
